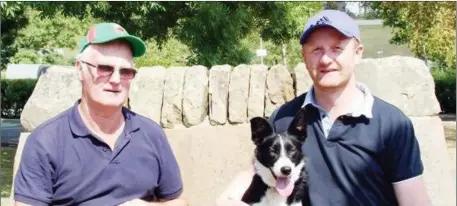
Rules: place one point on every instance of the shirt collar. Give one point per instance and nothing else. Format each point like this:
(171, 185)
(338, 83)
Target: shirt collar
(358, 109)
(79, 129)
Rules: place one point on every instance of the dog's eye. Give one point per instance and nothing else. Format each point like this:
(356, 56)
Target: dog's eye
(274, 150)
(291, 148)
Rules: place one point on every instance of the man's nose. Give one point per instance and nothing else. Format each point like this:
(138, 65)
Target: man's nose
(115, 77)
(325, 59)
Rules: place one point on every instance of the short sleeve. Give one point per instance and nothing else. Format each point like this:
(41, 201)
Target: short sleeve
(403, 152)
(170, 182)
(33, 181)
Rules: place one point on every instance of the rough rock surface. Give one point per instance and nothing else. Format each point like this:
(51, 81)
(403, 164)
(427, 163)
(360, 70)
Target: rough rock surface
(280, 88)
(257, 86)
(219, 79)
(56, 90)
(405, 82)
(172, 97)
(146, 92)
(303, 81)
(195, 96)
(239, 93)
(437, 176)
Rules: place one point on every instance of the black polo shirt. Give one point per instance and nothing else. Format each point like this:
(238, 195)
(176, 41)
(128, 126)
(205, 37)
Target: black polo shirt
(360, 159)
(63, 164)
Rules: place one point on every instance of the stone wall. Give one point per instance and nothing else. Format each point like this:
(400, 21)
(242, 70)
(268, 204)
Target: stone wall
(205, 113)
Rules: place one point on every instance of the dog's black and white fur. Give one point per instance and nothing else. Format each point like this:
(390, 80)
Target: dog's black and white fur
(278, 155)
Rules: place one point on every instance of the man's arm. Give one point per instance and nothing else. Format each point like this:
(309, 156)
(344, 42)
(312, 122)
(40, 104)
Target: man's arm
(33, 180)
(405, 166)
(238, 186)
(16, 203)
(412, 192)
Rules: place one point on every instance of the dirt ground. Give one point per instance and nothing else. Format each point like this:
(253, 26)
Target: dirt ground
(449, 125)
(450, 132)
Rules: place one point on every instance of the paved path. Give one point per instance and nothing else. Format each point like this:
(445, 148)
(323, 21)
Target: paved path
(10, 131)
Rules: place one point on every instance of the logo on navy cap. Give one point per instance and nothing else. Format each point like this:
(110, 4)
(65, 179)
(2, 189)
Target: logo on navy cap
(323, 20)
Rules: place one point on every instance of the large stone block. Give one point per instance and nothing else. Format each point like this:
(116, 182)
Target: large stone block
(56, 90)
(303, 81)
(210, 157)
(280, 88)
(239, 93)
(172, 97)
(195, 96)
(439, 179)
(257, 88)
(405, 82)
(219, 79)
(146, 92)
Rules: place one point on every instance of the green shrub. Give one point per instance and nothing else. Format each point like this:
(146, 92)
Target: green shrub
(15, 93)
(445, 83)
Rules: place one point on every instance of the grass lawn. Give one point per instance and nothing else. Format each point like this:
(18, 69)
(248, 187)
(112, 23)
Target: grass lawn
(376, 38)
(7, 159)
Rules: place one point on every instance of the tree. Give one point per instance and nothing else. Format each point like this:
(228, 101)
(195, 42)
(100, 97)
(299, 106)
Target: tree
(38, 42)
(212, 30)
(281, 22)
(12, 20)
(426, 27)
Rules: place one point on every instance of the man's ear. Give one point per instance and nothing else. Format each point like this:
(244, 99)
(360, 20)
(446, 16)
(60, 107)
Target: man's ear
(303, 53)
(79, 69)
(358, 52)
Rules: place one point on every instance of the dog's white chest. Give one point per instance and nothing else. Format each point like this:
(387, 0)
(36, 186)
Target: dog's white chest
(272, 198)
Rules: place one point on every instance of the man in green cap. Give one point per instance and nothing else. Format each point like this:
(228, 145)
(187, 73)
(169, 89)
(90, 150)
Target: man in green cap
(99, 152)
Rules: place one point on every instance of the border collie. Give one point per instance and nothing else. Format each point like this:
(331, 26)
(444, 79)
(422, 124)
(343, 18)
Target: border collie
(280, 177)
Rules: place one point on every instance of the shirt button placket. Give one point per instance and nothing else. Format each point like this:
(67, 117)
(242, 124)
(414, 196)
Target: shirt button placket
(106, 153)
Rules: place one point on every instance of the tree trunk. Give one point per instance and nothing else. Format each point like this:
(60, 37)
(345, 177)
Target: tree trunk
(283, 52)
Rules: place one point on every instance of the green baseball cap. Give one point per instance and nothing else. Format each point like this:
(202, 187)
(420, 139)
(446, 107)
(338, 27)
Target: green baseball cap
(106, 32)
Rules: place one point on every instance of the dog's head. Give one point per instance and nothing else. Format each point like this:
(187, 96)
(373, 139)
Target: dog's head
(278, 156)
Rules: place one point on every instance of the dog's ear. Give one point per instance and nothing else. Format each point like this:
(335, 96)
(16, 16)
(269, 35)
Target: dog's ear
(298, 126)
(260, 128)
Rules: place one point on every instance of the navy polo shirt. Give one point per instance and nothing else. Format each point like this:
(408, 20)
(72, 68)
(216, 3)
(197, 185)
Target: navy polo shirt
(360, 159)
(63, 164)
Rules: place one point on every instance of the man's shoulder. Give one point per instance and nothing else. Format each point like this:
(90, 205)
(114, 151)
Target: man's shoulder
(46, 135)
(289, 108)
(141, 120)
(283, 115)
(384, 109)
(52, 126)
(150, 129)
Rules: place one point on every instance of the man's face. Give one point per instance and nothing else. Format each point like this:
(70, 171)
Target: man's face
(106, 72)
(330, 57)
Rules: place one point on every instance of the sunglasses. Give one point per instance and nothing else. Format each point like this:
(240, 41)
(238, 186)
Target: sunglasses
(107, 70)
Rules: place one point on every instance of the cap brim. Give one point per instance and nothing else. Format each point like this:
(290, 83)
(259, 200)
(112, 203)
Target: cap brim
(306, 34)
(138, 45)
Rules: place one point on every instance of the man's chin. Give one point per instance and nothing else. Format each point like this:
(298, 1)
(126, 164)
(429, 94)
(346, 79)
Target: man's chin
(111, 103)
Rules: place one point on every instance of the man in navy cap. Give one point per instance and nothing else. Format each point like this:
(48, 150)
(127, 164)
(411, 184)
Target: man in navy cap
(361, 149)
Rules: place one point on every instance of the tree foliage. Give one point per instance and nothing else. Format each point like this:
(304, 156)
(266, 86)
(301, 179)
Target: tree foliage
(426, 27)
(212, 30)
(46, 35)
(12, 20)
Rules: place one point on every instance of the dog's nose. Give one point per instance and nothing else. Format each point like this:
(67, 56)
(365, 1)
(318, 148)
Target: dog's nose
(286, 170)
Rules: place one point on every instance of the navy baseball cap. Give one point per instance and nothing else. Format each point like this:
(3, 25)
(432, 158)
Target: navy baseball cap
(338, 20)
